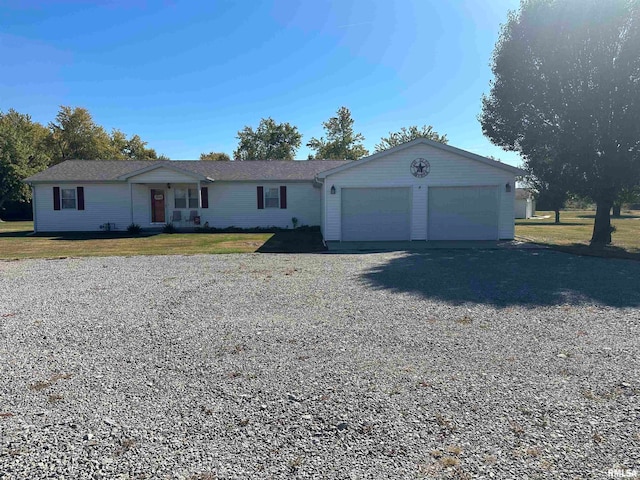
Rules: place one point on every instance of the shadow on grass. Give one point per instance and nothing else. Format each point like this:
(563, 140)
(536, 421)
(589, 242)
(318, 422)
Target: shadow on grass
(621, 217)
(510, 277)
(582, 249)
(534, 223)
(293, 242)
(75, 235)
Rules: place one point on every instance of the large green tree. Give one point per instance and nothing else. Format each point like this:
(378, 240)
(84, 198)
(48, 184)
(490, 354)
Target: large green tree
(269, 141)
(23, 152)
(133, 148)
(341, 142)
(567, 80)
(215, 157)
(405, 135)
(74, 135)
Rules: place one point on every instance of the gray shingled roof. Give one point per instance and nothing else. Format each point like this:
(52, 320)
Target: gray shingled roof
(111, 170)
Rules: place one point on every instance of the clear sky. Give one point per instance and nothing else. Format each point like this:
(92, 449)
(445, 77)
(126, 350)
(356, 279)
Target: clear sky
(187, 75)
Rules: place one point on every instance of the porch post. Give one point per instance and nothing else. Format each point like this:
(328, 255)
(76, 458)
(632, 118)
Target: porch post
(199, 197)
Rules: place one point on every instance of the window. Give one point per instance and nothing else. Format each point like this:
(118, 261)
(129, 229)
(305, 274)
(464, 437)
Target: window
(68, 198)
(186, 197)
(193, 197)
(272, 197)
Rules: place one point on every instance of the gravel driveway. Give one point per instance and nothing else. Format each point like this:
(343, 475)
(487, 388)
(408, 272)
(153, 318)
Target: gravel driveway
(445, 364)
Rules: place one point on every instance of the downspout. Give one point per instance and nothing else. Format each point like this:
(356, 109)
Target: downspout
(324, 202)
(131, 201)
(33, 208)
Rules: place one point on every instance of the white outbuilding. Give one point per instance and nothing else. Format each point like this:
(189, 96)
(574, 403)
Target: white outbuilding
(525, 206)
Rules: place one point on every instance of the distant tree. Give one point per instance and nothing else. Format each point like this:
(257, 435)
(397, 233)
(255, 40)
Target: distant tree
(130, 148)
(215, 157)
(23, 152)
(270, 141)
(162, 156)
(627, 195)
(74, 135)
(550, 177)
(341, 142)
(566, 81)
(407, 134)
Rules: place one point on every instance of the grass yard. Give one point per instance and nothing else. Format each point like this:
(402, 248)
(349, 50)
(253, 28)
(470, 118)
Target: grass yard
(16, 243)
(574, 232)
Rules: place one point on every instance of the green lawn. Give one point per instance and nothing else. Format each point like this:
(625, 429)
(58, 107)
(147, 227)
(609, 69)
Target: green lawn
(16, 242)
(574, 232)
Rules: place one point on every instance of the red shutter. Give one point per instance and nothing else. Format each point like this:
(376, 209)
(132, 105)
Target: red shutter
(56, 198)
(283, 197)
(80, 198)
(260, 198)
(204, 195)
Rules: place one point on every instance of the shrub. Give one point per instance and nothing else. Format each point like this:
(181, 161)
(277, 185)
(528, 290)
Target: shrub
(294, 222)
(134, 229)
(169, 228)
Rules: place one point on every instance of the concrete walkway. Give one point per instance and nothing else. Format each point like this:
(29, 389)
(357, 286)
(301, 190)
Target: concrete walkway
(421, 245)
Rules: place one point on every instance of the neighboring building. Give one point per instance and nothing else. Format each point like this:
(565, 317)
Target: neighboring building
(421, 190)
(525, 206)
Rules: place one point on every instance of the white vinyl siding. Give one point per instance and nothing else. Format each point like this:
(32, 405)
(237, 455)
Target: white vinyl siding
(447, 170)
(235, 204)
(104, 203)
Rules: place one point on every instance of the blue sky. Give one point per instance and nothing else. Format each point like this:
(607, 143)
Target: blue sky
(186, 76)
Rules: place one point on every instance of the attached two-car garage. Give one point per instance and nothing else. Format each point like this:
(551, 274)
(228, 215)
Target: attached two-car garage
(454, 213)
(421, 190)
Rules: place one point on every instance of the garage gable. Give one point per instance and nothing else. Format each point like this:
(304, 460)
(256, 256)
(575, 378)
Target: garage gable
(431, 145)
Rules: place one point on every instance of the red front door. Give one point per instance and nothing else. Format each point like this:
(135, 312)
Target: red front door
(157, 206)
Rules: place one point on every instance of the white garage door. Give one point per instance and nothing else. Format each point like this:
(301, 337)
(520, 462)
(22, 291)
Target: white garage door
(463, 213)
(376, 214)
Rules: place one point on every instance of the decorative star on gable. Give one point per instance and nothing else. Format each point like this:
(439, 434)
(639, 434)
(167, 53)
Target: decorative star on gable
(420, 167)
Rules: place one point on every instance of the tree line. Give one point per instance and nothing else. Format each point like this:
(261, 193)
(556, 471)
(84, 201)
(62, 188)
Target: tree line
(28, 147)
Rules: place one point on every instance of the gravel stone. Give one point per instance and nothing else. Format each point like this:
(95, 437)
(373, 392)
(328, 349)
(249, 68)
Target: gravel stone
(442, 364)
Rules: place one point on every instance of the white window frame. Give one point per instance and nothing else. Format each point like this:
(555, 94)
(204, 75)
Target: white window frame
(273, 199)
(188, 195)
(73, 197)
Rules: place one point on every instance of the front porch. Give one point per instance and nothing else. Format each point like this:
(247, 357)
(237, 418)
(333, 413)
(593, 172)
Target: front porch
(178, 204)
(161, 195)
